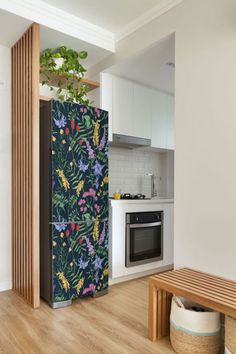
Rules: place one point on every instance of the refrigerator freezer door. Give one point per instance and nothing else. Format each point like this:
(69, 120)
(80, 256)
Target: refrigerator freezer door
(79, 163)
(79, 259)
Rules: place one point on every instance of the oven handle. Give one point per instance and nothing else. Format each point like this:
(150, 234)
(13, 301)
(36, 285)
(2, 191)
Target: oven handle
(150, 224)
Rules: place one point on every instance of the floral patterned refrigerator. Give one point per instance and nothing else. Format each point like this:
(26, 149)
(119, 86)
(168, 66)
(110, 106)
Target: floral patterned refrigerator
(73, 202)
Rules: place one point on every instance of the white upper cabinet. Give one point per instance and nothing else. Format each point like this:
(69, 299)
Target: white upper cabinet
(139, 111)
(141, 118)
(162, 117)
(159, 119)
(123, 109)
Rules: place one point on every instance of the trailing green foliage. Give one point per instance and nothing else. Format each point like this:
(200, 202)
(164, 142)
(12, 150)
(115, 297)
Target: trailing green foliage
(65, 65)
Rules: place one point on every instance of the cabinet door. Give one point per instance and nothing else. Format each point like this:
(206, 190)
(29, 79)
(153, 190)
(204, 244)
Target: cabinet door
(159, 120)
(171, 122)
(141, 116)
(122, 106)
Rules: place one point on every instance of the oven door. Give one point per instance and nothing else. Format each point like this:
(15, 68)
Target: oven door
(144, 243)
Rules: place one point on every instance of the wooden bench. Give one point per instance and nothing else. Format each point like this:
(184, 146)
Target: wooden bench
(205, 289)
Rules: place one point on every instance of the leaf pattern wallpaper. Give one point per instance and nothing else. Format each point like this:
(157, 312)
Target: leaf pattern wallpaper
(79, 162)
(79, 200)
(80, 259)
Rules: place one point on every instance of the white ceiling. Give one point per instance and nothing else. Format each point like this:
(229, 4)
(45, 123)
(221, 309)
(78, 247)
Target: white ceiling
(11, 27)
(149, 67)
(112, 15)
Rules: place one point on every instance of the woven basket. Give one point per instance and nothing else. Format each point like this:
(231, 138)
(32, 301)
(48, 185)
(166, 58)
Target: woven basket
(230, 335)
(194, 332)
(184, 343)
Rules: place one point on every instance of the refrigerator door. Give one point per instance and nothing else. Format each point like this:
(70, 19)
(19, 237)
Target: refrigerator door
(79, 259)
(79, 163)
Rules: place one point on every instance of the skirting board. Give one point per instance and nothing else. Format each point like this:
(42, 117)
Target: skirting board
(140, 274)
(5, 285)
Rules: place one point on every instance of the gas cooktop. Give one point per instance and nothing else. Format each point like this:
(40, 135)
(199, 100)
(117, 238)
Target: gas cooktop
(133, 196)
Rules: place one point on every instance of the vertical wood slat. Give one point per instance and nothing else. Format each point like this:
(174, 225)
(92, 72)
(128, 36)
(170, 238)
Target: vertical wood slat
(29, 151)
(27, 160)
(21, 173)
(35, 162)
(13, 165)
(25, 165)
(17, 167)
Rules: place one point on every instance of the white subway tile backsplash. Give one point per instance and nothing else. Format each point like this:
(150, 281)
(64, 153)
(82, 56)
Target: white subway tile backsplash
(128, 171)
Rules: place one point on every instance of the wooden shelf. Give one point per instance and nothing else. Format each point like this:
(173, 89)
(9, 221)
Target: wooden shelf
(92, 85)
(45, 98)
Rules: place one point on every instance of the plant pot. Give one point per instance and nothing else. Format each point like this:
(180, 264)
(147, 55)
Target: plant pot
(59, 62)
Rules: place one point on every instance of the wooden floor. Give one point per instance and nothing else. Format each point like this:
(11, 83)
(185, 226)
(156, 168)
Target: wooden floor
(115, 323)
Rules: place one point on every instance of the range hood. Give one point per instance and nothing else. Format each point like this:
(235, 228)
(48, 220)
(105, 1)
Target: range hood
(129, 142)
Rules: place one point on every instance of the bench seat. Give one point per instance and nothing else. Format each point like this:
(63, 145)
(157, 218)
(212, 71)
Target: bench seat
(214, 292)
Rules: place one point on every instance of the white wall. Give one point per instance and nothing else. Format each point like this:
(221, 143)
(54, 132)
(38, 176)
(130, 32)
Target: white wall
(205, 231)
(205, 154)
(5, 174)
(128, 170)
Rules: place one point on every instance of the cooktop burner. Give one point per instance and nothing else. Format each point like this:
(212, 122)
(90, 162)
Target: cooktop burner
(133, 196)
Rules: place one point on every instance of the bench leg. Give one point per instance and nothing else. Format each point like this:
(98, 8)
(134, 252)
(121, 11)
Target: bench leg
(152, 311)
(164, 314)
(158, 312)
(161, 310)
(166, 307)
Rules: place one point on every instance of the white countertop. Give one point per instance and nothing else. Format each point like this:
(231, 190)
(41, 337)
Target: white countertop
(156, 200)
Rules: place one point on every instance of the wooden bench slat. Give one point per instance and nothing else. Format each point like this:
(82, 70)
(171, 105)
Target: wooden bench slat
(181, 285)
(192, 273)
(214, 280)
(204, 285)
(221, 288)
(201, 299)
(215, 277)
(218, 280)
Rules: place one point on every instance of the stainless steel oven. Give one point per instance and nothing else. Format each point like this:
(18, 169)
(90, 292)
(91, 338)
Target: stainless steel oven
(144, 238)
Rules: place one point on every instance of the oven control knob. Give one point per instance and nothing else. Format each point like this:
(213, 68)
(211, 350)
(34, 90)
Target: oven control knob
(136, 219)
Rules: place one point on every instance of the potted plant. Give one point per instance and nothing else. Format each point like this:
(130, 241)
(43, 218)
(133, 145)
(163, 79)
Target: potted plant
(62, 68)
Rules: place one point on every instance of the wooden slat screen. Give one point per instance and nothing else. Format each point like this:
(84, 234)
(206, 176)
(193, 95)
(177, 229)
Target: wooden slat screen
(25, 165)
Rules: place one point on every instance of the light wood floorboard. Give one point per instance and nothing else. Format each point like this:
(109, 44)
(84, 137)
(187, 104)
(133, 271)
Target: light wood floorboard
(113, 324)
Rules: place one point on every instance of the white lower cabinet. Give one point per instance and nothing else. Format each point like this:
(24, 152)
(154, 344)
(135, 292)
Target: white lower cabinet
(118, 210)
(116, 241)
